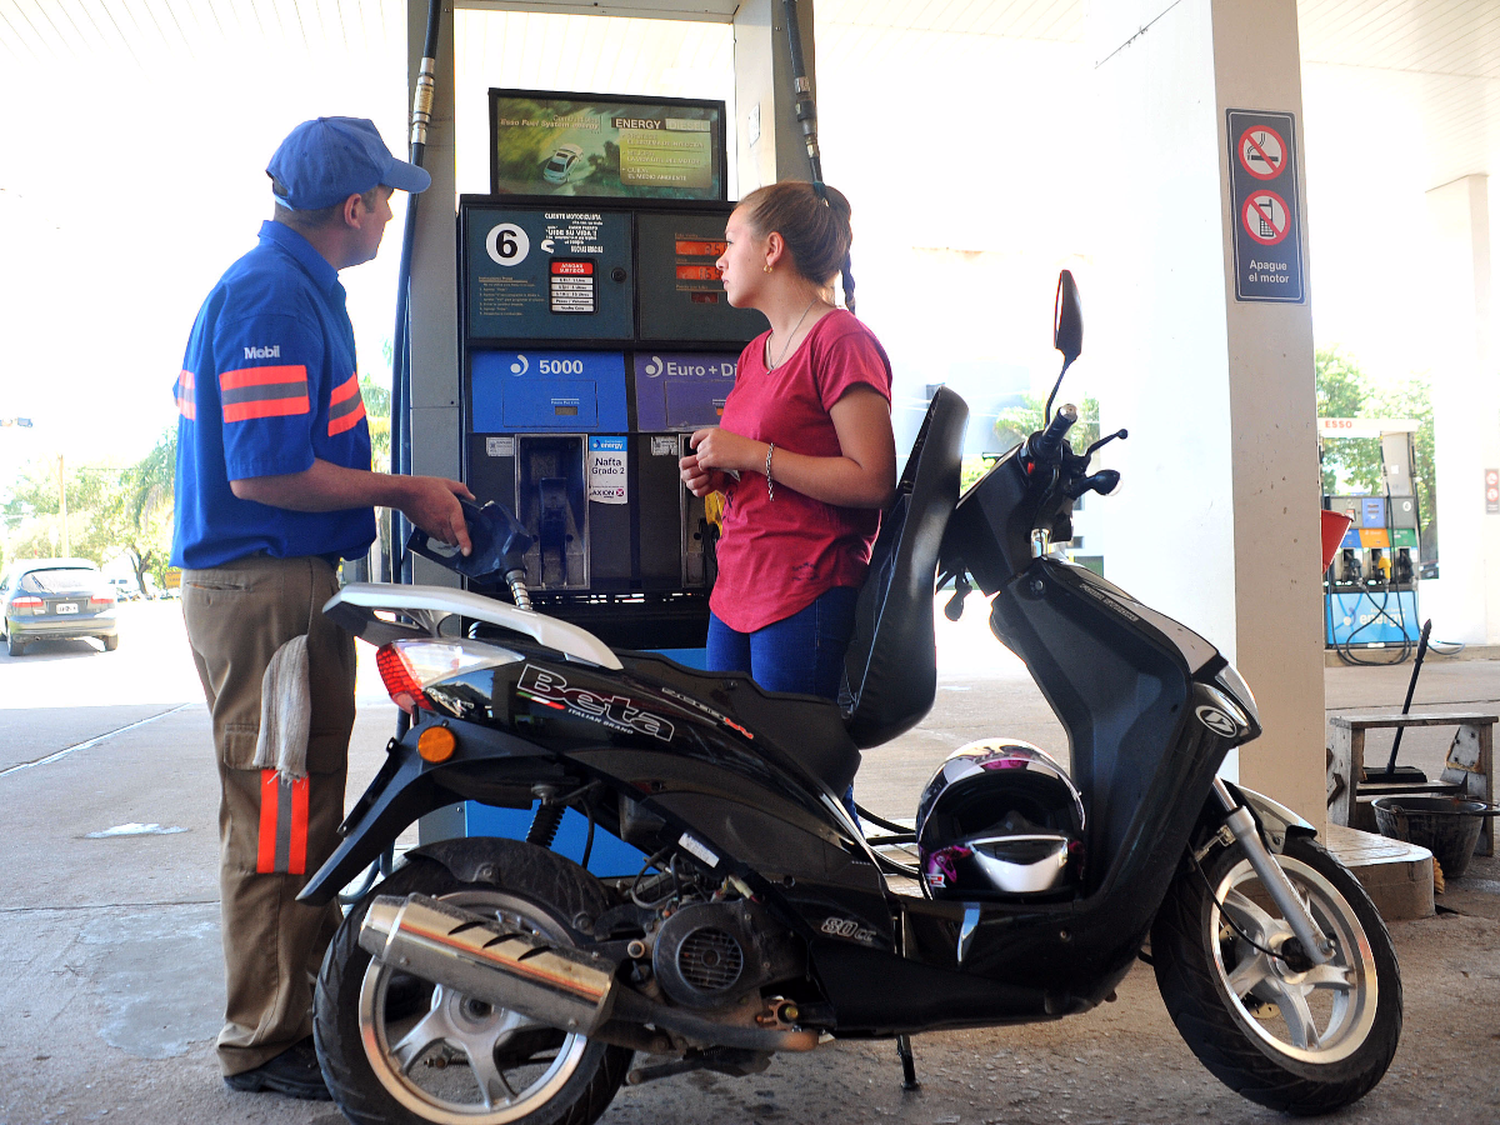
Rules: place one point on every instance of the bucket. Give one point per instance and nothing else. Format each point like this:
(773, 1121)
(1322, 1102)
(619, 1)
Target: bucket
(1448, 827)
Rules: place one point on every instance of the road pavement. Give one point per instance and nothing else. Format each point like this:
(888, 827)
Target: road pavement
(111, 994)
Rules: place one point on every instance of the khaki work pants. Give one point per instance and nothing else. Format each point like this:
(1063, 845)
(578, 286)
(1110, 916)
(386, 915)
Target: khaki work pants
(272, 836)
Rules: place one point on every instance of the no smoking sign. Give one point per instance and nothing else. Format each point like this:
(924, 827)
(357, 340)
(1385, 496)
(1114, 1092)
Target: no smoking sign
(1264, 190)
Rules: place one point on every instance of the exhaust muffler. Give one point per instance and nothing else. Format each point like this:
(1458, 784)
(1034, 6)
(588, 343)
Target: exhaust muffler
(554, 985)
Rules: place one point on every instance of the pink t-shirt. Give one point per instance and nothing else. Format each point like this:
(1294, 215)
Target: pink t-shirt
(776, 557)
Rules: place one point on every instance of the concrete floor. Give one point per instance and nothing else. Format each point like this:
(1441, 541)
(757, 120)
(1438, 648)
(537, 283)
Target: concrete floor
(113, 990)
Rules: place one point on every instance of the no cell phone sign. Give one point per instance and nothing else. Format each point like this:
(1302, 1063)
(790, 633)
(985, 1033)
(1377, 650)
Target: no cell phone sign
(1264, 188)
(1266, 217)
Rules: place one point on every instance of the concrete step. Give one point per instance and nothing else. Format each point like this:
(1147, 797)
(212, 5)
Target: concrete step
(1396, 875)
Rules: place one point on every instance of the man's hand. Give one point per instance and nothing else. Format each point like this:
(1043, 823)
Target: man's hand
(434, 508)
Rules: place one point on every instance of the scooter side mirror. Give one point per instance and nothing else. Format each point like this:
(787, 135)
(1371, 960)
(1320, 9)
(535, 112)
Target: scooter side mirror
(1067, 319)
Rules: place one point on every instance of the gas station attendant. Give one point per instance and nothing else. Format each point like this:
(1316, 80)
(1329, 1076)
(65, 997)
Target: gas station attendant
(274, 488)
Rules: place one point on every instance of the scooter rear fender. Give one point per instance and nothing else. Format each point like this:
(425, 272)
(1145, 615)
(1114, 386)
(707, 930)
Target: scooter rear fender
(407, 787)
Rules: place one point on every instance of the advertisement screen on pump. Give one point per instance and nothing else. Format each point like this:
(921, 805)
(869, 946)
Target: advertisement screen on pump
(548, 143)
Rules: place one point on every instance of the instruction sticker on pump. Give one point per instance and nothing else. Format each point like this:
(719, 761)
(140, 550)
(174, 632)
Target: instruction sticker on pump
(607, 477)
(529, 268)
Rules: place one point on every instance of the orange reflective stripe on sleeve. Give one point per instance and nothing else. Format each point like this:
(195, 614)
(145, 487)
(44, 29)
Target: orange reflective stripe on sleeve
(186, 402)
(282, 848)
(264, 392)
(345, 406)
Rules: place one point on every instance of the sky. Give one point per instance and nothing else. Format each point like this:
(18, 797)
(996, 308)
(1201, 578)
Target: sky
(133, 179)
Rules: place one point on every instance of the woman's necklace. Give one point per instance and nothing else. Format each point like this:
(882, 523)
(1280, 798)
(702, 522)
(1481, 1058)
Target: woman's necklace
(787, 346)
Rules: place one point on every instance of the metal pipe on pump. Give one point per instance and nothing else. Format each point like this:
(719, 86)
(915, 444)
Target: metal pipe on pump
(421, 117)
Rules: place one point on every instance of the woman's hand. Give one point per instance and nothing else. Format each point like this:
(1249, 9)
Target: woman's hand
(727, 452)
(699, 480)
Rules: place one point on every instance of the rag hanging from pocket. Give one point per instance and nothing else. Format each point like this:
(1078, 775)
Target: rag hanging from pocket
(285, 712)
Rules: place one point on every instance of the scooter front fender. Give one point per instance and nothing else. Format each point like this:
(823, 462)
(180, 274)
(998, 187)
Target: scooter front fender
(1277, 822)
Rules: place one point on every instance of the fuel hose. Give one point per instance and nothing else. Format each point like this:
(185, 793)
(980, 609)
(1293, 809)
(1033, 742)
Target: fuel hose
(807, 110)
(421, 117)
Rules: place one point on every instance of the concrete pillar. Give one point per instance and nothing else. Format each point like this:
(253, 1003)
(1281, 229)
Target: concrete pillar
(1464, 603)
(1218, 522)
(434, 283)
(770, 142)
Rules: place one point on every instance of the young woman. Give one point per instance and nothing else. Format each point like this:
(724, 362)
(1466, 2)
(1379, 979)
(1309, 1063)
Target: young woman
(805, 452)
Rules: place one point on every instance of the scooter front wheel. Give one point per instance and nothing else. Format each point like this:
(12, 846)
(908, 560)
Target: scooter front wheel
(398, 1049)
(1266, 1021)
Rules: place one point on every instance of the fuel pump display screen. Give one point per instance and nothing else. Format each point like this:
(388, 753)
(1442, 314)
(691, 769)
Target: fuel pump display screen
(681, 294)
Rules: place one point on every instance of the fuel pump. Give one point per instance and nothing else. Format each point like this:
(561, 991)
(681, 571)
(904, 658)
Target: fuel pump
(1370, 590)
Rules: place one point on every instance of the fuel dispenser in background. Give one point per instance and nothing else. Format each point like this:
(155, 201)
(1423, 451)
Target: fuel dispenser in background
(1370, 589)
(596, 339)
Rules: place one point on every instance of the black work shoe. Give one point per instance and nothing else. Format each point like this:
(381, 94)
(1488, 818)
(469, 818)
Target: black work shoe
(294, 1072)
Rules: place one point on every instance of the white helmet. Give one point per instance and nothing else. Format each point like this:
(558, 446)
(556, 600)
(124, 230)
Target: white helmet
(1000, 819)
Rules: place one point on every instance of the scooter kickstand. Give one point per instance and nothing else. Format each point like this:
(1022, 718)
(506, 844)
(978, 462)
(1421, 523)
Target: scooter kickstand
(908, 1063)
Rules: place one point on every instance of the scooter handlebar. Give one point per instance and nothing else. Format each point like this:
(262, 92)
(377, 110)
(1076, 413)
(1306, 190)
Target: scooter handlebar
(1047, 445)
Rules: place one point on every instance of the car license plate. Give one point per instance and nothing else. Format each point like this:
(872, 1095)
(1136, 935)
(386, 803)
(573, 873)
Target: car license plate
(66, 607)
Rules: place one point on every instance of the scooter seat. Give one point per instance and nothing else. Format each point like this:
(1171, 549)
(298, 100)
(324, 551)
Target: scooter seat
(807, 728)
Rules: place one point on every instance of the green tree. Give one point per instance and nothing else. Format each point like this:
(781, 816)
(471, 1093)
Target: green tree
(110, 510)
(1342, 393)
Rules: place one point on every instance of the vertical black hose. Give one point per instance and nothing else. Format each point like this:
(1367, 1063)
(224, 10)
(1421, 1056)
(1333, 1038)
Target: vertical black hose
(421, 115)
(807, 112)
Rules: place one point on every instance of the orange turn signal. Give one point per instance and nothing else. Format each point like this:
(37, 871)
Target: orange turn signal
(436, 744)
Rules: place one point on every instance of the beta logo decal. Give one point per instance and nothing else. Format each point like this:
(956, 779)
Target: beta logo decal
(615, 712)
(1218, 722)
(848, 928)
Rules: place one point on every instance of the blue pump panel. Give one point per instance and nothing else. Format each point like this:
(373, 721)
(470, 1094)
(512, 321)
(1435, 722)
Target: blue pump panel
(682, 390)
(1375, 617)
(610, 856)
(542, 391)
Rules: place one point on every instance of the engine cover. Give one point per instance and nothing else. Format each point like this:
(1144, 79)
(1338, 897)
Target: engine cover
(706, 954)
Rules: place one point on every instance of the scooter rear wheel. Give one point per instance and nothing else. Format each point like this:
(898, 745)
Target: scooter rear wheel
(397, 1049)
(1279, 1030)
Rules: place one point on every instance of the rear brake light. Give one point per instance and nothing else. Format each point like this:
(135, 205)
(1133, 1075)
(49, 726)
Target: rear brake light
(409, 667)
(33, 605)
(400, 681)
(101, 600)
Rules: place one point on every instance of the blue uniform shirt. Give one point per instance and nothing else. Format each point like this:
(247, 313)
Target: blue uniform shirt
(268, 384)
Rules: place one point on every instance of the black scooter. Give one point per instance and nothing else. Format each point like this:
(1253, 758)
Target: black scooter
(492, 980)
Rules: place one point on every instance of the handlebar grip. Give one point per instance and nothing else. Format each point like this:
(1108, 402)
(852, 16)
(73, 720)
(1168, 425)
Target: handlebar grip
(1048, 443)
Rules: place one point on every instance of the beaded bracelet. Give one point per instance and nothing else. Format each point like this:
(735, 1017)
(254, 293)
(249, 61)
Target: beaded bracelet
(770, 484)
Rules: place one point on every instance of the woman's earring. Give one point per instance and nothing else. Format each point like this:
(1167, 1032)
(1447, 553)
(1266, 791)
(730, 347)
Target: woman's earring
(767, 267)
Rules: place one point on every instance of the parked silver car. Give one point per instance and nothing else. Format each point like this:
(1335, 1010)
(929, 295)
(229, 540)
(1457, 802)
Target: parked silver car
(57, 599)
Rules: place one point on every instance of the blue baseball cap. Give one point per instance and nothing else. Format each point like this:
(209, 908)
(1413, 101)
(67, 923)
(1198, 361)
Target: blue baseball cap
(325, 161)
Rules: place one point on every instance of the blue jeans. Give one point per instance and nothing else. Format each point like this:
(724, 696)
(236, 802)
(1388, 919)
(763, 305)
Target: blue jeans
(802, 653)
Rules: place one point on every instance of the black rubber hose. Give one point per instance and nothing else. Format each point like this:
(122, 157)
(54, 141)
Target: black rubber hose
(401, 352)
(807, 110)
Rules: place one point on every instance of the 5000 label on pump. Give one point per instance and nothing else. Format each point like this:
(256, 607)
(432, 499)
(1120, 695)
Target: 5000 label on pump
(545, 390)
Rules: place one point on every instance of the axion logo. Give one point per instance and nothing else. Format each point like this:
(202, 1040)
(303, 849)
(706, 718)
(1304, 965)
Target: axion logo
(272, 351)
(613, 711)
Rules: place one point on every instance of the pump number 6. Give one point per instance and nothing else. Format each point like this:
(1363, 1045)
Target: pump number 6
(507, 244)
